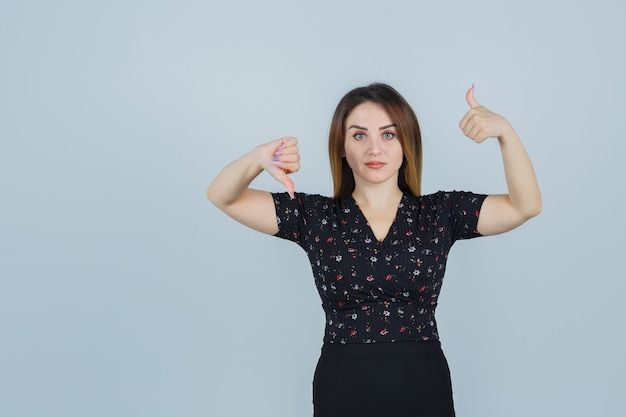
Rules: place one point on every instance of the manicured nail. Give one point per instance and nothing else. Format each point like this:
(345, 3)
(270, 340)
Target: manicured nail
(278, 153)
(277, 163)
(281, 147)
(275, 158)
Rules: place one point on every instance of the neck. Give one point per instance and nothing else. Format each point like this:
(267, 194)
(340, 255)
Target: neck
(377, 196)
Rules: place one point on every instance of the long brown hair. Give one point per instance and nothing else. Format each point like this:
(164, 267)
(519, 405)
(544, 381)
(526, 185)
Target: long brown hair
(401, 114)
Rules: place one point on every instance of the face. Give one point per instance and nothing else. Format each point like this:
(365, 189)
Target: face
(371, 146)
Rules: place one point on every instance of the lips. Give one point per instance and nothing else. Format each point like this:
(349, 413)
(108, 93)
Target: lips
(375, 164)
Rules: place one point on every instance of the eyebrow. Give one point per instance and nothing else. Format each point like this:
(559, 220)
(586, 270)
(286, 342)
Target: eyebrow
(364, 128)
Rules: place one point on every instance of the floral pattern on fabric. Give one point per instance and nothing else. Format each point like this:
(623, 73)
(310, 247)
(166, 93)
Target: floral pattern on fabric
(375, 291)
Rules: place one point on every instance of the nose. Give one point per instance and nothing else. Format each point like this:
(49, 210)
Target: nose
(375, 146)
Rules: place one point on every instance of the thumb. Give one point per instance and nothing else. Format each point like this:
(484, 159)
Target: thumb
(469, 97)
(284, 179)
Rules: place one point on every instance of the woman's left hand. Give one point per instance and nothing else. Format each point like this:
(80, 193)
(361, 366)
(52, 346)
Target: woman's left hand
(480, 123)
(503, 212)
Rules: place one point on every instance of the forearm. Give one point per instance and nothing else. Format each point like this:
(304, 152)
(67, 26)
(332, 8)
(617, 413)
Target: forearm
(523, 189)
(229, 185)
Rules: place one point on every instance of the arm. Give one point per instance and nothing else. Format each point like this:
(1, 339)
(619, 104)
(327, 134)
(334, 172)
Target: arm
(230, 190)
(501, 213)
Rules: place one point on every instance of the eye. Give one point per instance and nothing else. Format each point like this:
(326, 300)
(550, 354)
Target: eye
(389, 135)
(359, 136)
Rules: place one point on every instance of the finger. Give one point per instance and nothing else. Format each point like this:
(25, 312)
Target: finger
(279, 150)
(288, 183)
(471, 131)
(283, 144)
(480, 139)
(465, 120)
(290, 151)
(469, 97)
(279, 172)
(291, 189)
(288, 168)
(475, 134)
(468, 127)
(289, 141)
(288, 158)
(478, 136)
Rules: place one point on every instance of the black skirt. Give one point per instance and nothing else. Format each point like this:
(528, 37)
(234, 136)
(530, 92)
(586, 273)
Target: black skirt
(403, 379)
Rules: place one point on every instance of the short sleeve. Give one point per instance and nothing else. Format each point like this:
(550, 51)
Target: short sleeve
(298, 216)
(463, 209)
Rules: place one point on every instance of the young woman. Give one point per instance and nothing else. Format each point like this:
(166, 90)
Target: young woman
(378, 248)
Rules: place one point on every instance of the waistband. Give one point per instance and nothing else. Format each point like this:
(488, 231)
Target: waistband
(380, 323)
(382, 348)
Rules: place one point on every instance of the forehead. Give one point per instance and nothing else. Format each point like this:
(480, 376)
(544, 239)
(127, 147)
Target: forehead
(368, 114)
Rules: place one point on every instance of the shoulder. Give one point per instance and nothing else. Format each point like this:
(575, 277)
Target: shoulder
(297, 217)
(304, 199)
(305, 203)
(446, 203)
(442, 198)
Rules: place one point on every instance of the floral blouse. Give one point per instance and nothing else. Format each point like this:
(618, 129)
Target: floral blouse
(375, 291)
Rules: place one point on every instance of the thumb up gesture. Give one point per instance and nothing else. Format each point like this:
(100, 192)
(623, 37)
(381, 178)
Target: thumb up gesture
(479, 123)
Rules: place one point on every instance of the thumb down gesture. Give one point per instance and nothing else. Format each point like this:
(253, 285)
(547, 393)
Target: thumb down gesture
(280, 158)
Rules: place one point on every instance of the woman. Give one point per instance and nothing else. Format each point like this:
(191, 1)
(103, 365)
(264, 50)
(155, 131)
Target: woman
(378, 248)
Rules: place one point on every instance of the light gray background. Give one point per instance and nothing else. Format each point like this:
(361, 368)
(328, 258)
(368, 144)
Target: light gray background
(123, 292)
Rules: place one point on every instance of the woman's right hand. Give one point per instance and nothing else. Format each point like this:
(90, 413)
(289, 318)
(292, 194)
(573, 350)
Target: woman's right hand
(230, 190)
(280, 158)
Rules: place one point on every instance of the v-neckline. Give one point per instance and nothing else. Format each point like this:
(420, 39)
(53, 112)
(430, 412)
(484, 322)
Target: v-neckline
(392, 226)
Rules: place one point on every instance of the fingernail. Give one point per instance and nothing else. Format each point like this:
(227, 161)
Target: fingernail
(281, 147)
(275, 158)
(277, 163)
(278, 153)
(293, 197)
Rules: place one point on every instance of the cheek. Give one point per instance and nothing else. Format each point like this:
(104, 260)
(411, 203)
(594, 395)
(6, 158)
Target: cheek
(398, 152)
(349, 153)
(349, 159)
